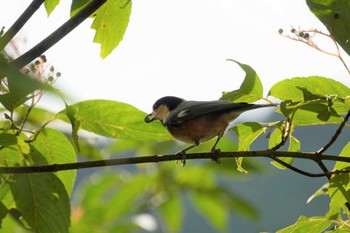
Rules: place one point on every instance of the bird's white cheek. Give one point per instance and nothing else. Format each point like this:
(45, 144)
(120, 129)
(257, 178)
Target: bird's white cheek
(161, 113)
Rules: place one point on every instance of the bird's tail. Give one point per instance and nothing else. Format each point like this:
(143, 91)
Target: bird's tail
(248, 107)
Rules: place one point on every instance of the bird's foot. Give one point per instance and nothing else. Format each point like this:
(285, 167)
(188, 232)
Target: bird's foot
(183, 159)
(216, 155)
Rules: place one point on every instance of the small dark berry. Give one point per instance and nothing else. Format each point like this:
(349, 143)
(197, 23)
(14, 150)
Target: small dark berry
(52, 69)
(306, 35)
(37, 62)
(336, 16)
(301, 34)
(58, 74)
(50, 79)
(280, 31)
(43, 58)
(292, 30)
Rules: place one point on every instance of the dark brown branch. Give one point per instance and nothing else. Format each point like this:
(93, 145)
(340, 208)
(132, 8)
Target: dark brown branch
(335, 136)
(163, 158)
(23, 19)
(320, 152)
(324, 168)
(302, 172)
(57, 35)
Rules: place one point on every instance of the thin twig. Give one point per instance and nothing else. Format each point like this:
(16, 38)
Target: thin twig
(308, 41)
(323, 168)
(17, 26)
(172, 157)
(302, 172)
(335, 136)
(25, 119)
(57, 35)
(285, 135)
(329, 144)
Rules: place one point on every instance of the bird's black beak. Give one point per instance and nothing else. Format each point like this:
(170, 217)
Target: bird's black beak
(149, 118)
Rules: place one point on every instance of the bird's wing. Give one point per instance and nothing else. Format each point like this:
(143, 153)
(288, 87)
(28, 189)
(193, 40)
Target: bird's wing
(191, 109)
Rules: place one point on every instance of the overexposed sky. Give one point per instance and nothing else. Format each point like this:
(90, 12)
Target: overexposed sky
(179, 48)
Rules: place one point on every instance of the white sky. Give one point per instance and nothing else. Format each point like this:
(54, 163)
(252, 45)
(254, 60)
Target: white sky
(179, 48)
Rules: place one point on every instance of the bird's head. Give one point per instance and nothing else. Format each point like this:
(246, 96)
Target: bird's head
(162, 108)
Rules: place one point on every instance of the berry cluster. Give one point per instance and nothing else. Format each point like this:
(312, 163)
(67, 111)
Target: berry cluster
(298, 33)
(40, 70)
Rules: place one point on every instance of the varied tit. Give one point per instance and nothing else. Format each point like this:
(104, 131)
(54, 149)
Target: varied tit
(197, 121)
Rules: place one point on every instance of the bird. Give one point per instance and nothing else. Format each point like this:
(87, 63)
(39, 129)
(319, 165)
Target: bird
(195, 122)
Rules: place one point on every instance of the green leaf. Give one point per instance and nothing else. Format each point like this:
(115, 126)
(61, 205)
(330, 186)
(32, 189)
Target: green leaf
(304, 224)
(126, 146)
(10, 224)
(89, 150)
(275, 138)
(294, 89)
(239, 163)
(70, 112)
(215, 211)
(227, 201)
(238, 205)
(110, 24)
(118, 120)
(216, 203)
(294, 145)
(193, 177)
(339, 194)
(339, 187)
(43, 201)
(341, 107)
(121, 191)
(321, 191)
(247, 133)
(334, 14)
(347, 101)
(310, 115)
(172, 211)
(126, 197)
(77, 5)
(5, 194)
(342, 228)
(3, 212)
(310, 93)
(52, 147)
(9, 156)
(37, 115)
(251, 89)
(7, 139)
(50, 5)
(344, 153)
(19, 86)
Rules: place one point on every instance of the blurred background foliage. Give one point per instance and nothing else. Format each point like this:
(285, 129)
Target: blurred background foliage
(162, 197)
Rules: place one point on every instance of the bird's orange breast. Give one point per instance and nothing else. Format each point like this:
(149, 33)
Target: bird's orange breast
(201, 128)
